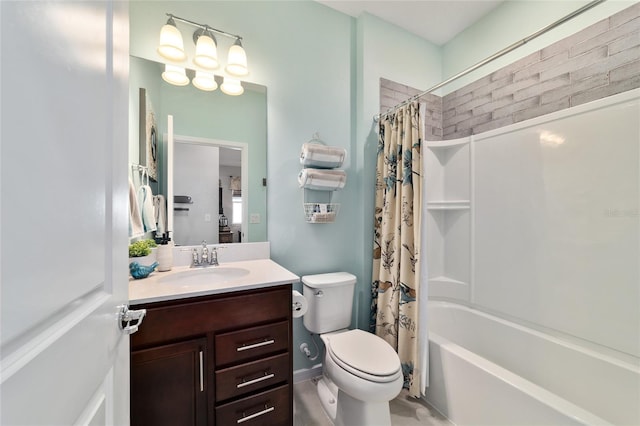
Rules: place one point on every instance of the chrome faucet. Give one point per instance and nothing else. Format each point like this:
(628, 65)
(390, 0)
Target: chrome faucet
(214, 257)
(205, 253)
(208, 257)
(195, 258)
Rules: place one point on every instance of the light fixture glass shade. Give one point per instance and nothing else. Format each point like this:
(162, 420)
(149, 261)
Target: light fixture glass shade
(171, 46)
(237, 60)
(232, 86)
(175, 75)
(205, 81)
(206, 53)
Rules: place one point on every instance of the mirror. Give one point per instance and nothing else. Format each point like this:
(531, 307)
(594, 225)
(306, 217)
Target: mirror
(207, 178)
(230, 126)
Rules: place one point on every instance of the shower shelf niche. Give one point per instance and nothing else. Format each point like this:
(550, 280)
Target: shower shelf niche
(448, 222)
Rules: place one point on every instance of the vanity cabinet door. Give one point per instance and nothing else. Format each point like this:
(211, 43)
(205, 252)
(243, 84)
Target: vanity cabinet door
(168, 385)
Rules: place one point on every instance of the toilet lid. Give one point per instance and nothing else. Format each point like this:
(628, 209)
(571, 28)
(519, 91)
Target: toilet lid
(365, 352)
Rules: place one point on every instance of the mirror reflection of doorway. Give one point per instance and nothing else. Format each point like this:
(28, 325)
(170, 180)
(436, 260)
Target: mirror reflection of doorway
(208, 202)
(230, 196)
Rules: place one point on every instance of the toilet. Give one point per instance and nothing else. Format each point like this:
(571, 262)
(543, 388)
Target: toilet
(361, 372)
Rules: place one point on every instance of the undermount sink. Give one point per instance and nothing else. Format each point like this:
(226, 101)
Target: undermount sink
(200, 276)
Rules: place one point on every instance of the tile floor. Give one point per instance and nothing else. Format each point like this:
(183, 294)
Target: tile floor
(405, 411)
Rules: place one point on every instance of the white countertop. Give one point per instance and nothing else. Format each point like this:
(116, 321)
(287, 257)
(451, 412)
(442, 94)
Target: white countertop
(155, 288)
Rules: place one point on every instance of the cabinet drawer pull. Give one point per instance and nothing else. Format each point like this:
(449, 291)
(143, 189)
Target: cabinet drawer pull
(258, 380)
(254, 415)
(255, 345)
(201, 373)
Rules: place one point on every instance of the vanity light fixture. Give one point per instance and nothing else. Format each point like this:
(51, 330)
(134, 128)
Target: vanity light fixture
(206, 56)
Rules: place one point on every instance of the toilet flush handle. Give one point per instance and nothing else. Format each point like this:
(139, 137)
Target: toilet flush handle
(319, 293)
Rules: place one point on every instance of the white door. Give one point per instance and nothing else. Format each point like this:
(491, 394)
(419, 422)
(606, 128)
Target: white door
(63, 221)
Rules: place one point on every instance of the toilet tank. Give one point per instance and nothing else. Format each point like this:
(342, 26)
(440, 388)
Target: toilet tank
(330, 300)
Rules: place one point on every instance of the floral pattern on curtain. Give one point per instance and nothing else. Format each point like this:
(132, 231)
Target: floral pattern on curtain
(394, 310)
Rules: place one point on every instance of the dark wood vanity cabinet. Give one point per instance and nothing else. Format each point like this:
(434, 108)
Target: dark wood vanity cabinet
(214, 360)
(167, 388)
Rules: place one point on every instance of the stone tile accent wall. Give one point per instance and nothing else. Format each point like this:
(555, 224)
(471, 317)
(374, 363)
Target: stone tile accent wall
(392, 93)
(599, 61)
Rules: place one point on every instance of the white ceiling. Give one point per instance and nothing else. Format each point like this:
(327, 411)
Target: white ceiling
(230, 157)
(435, 20)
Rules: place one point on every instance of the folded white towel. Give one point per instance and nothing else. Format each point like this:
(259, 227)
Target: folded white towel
(135, 220)
(317, 155)
(235, 183)
(145, 198)
(324, 180)
(160, 207)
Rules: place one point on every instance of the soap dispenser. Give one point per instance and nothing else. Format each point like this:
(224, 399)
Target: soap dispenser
(165, 253)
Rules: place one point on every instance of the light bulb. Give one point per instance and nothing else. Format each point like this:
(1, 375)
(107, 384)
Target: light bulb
(206, 52)
(237, 60)
(171, 46)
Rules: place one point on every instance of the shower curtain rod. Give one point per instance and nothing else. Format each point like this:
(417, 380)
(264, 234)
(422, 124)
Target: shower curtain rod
(493, 57)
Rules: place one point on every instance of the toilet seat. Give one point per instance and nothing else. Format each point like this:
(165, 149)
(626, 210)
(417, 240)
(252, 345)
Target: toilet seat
(364, 355)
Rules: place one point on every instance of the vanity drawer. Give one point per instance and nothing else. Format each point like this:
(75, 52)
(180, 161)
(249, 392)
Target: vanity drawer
(270, 408)
(175, 320)
(250, 377)
(249, 343)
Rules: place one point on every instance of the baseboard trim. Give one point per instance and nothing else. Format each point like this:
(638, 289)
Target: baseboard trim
(307, 373)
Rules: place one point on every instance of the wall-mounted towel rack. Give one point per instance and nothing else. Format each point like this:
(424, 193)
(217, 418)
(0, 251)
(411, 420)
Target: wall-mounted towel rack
(181, 199)
(320, 178)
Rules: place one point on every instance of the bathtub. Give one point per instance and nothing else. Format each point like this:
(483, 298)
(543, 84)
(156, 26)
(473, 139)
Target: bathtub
(484, 370)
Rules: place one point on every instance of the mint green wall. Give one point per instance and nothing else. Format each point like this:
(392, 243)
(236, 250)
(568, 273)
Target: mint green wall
(302, 52)
(383, 50)
(511, 22)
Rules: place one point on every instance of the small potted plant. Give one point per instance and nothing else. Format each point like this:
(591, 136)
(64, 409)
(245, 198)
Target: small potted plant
(142, 248)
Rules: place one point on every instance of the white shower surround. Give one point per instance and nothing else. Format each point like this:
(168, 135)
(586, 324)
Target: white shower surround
(538, 223)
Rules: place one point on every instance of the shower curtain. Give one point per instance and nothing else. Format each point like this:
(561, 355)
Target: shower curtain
(395, 313)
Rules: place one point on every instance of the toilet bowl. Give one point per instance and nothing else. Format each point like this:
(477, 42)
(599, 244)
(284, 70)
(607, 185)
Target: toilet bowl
(363, 365)
(361, 372)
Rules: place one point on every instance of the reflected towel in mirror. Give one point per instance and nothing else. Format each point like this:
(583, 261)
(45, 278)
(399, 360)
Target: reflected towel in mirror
(145, 198)
(135, 219)
(160, 207)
